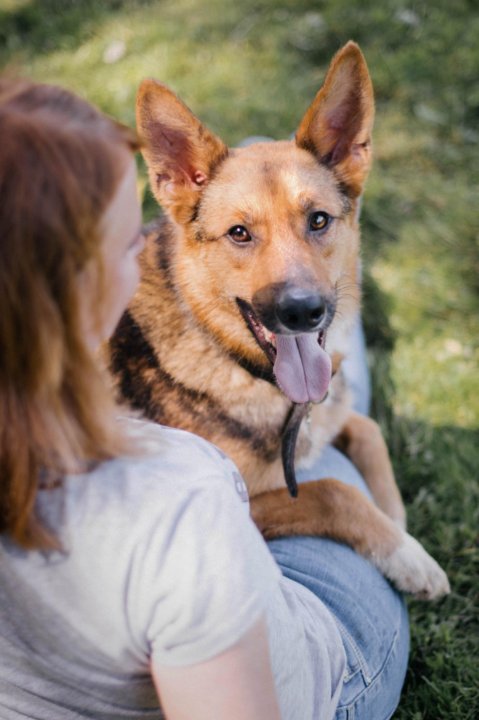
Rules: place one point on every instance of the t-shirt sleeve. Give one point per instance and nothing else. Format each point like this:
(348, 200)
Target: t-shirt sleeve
(201, 582)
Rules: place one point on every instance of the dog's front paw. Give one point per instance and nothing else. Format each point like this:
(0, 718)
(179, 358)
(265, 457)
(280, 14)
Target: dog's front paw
(414, 571)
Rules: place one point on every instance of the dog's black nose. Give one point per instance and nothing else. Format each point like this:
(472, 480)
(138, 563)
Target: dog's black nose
(300, 310)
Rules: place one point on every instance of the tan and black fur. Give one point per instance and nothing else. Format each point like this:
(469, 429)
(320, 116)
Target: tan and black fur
(185, 352)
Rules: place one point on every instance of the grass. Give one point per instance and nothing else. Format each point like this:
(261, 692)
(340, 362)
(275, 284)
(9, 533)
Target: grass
(253, 67)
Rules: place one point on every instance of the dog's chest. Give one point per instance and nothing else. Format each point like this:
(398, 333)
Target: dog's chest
(323, 423)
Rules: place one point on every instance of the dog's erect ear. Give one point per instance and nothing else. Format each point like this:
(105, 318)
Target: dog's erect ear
(180, 152)
(337, 126)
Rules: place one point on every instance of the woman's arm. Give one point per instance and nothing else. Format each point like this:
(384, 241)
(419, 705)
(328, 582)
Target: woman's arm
(235, 685)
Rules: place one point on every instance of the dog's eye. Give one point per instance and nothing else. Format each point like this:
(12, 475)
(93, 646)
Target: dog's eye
(239, 234)
(319, 221)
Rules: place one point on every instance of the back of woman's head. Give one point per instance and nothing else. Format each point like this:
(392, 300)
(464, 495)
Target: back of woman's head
(60, 164)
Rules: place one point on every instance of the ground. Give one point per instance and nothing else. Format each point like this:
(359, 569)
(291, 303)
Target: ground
(253, 67)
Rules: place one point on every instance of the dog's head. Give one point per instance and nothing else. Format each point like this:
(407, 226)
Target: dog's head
(267, 234)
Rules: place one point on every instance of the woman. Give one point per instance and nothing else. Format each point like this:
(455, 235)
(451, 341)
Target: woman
(129, 567)
(99, 597)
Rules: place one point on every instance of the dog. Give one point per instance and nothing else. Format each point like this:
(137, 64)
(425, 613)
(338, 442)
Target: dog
(248, 295)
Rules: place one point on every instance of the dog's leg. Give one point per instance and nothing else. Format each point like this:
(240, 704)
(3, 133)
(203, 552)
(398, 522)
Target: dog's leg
(341, 512)
(362, 441)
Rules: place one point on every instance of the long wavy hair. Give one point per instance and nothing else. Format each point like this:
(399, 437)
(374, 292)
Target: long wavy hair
(61, 161)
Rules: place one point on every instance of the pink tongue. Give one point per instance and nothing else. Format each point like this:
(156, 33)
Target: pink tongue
(302, 368)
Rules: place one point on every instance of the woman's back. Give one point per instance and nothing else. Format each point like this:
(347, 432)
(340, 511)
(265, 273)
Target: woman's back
(80, 627)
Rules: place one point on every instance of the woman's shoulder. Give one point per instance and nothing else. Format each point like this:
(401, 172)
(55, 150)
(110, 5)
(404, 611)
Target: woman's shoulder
(167, 496)
(169, 468)
(145, 540)
(172, 451)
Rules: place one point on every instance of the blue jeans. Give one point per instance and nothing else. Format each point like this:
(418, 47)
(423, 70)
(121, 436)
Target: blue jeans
(370, 614)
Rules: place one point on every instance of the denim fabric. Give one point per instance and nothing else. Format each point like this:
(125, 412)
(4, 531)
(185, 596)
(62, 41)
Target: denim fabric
(370, 614)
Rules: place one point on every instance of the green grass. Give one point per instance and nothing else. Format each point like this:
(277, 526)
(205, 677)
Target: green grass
(253, 67)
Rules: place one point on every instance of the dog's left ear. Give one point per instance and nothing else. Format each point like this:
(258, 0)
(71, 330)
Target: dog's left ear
(337, 126)
(181, 153)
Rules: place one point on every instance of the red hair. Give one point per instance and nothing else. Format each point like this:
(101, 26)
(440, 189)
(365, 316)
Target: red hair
(61, 161)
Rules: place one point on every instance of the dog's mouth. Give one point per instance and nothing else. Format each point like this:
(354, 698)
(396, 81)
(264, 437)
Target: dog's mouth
(301, 365)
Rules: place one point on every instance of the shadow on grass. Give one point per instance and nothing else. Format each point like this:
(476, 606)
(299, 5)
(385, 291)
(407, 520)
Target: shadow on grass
(46, 25)
(436, 469)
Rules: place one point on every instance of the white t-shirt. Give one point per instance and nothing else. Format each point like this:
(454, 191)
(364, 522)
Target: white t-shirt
(161, 563)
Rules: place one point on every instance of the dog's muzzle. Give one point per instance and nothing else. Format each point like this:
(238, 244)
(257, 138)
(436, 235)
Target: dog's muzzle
(289, 323)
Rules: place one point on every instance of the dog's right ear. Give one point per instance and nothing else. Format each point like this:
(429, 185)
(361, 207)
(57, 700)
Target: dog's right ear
(180, 152)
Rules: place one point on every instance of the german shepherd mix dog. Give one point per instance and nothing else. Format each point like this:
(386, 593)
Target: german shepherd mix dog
(248, 296)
